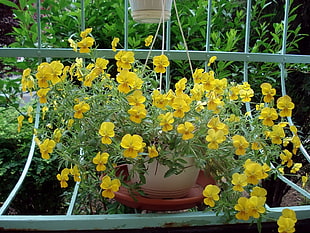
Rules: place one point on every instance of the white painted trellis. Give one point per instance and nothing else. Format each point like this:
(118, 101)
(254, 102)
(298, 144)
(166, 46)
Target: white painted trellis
(139, 221)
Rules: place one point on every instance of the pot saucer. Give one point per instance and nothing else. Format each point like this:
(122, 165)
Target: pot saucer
(192, 199)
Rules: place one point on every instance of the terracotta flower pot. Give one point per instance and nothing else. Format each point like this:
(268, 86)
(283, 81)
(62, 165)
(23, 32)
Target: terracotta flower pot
(150, 11)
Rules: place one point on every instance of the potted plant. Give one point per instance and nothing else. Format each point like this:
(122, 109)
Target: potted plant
(150, 11)
(97, 122)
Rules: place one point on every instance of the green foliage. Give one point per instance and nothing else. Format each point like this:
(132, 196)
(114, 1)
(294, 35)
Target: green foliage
(14, 149)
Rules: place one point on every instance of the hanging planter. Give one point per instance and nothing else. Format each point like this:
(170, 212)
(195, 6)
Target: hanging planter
(150, 11)
(174, 186)
(193, 196)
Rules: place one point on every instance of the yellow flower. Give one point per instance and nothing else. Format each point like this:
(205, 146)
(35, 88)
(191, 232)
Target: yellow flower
(197, 92)
(239, 181)
(268, 115)
(240, 143)
(133, 144)
(46, 148)
(281, 170)
(166, 121)
(233, 118)
(27, 80)
(180, 86)
(286, 106)
(73, 44)
(160, 62)
(101, 159)
(219, 86)
(259, 192)
(63, 177)
(180, 107)
(85, 44)
(55, 71)
(268, 92)
(107, 132)
(186, 130)
(286, 221)
(43, 74)
(44, 111)
(304, 180)
(256, 206)
(148, 40)
(159, 100)
(137, 113)
(152, 151)
(288, 213)
(200, 106)
(286, 225)
(57, 135)
(75, 173)
(114, 43)
(215, 138)
(85, 33)
(207, 80)
(126, 80)
(293, 129)
(277, 134)
(70, 123)
(109, 186)
(246, 94)
(286, 157)
(20, 119)
(212, 60)
(42, 93)
(217, 125)
(254, 172)
(243, 208)
(233, 92)
(124, 59)
(197, 76)
(80, 108)
(296, 167)
(214, 102)
(210, 193)
(256, 146)
(100, 66)
(296, 143)
(136, 98)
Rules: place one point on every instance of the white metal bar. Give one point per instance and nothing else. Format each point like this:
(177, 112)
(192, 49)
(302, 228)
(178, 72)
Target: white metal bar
(126, 24)
(131, 221)
(25, 170)
(173, 54)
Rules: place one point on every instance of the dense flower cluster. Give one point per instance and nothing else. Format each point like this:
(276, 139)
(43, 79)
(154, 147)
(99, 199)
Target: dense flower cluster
(97, 119)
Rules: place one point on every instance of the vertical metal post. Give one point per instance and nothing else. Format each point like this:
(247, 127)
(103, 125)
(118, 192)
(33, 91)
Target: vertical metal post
(39, 23)
(246, 46)
(208, 31)
(83, 26)
(283, 50)
(126, 24)
(247, 38)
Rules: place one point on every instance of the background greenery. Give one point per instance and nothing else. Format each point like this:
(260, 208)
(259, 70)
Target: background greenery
(62, 18)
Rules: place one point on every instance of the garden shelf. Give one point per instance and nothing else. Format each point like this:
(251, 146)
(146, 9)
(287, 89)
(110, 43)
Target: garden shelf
(154, 222)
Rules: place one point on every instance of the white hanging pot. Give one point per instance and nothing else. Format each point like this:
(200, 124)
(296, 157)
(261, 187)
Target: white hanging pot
(150, 11)
(174, 186)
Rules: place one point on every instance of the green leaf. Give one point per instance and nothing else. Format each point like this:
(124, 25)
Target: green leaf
(9, 3)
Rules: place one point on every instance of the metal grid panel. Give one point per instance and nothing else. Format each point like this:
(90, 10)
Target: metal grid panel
(134, 221)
